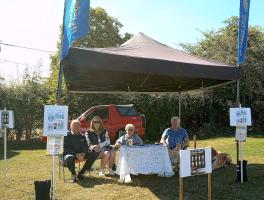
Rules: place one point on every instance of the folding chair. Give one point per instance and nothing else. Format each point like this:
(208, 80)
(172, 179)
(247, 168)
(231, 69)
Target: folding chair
(63, 164)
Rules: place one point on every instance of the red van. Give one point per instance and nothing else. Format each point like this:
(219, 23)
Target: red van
(115, 118)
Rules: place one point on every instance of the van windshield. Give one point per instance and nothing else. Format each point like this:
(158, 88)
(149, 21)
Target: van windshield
(127, 110)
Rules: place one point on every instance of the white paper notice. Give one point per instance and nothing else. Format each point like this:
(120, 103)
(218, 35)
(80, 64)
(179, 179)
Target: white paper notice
(241, 133)
(55, 144)
(55, 120)
(240, 116)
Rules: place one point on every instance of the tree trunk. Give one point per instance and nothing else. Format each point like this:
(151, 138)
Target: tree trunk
(19, 134)
(28, 134)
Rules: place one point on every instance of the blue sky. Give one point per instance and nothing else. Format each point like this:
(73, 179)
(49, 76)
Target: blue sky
(36, 24)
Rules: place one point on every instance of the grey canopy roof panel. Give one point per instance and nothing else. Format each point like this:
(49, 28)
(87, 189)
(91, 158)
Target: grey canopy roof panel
(141, 65)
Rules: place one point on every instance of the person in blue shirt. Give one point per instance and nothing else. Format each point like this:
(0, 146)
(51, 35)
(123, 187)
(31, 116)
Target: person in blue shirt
(175, 137)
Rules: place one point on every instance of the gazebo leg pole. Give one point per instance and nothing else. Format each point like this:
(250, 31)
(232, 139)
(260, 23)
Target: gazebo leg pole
(180, 105)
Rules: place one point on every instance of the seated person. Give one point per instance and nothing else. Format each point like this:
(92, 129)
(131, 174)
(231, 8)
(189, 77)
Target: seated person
(175, 138)
(130, 138)
(99, 142)
(75, 147)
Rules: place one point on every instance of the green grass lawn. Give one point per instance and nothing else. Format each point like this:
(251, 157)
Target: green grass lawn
(27, 163)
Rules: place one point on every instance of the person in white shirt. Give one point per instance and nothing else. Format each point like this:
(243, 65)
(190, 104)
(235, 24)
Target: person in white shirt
(98, 139)
(130, 138)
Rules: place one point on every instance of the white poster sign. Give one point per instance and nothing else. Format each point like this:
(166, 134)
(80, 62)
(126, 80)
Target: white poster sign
(55, 144)
(10, 118)
(55, 120)
(191, 159)
(240, 116)
(241, 133)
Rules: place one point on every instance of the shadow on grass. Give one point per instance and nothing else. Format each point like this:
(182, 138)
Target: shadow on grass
(224, 185)
(91, 182)
(26, 145)
(9, 155)
(13, 148)
(231, 135)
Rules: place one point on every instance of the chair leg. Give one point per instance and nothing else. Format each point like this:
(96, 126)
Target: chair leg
(59, 168)
(63, 172)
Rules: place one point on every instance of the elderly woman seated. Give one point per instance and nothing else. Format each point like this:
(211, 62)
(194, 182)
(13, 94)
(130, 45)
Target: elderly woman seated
(130, 138)
(176, 138)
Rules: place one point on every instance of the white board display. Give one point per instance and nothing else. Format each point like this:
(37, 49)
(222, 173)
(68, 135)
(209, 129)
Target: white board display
(186, 168)
(240, 116)
(10, 119)
(55, 120)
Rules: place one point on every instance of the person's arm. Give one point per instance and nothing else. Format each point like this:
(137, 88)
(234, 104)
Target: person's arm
(138, 140)
(106, 142)
(67, 146)
(84, 145)
(164, 136)
(119, 142)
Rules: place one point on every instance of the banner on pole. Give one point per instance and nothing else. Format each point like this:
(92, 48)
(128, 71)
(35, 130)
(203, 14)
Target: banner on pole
(55, 120)
(76, 23)
(243, 30)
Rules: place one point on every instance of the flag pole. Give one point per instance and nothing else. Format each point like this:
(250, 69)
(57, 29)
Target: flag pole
(59, 85)
(58, 102)
(237, 104)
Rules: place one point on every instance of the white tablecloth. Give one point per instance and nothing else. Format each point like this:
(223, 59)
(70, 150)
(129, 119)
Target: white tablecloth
(146, 159)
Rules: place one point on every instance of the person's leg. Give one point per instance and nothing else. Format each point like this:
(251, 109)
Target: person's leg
(105, 159)
(70, 163)
(111, 159)
(111, 162)
(90, 158)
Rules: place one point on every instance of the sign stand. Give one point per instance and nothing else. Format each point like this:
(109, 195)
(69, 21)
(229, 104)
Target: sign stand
(195, 162)
(53, 188)
(209, 186)
(55, 128)
(6, 121)
(5, 150)
(241, 118)
(241, 160)
(194, 141)
(180, 188)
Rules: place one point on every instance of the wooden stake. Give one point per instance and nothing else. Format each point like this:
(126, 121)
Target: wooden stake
(210, 186)
(194, 141)
(180, 188)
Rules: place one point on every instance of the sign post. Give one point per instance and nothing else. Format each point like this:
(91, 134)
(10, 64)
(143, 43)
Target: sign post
(195, 162)
(240, 118)
(209, 186)
(7, 121)
(55, 127)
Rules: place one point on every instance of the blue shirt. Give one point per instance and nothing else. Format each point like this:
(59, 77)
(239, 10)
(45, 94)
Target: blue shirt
(175, 137)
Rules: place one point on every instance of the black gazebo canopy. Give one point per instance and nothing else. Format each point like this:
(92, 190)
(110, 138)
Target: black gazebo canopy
(142, 65)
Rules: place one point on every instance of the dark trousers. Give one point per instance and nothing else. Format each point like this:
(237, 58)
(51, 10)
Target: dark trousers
(90, 158)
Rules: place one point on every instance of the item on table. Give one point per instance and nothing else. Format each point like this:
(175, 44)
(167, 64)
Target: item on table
(130, 142)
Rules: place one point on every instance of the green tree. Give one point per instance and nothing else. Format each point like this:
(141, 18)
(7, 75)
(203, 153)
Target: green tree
(27, 100)
(221, 45)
